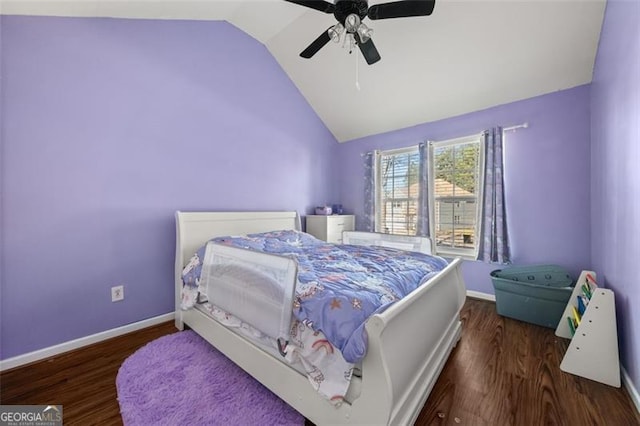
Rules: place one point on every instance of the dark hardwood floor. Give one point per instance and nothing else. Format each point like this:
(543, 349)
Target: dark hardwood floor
(503, 372)
(83, 381)
(507, 372)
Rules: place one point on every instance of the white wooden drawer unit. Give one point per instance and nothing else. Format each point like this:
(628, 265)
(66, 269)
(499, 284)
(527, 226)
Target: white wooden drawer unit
(329, 228)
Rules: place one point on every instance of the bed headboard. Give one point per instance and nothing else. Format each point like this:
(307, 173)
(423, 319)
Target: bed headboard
(194, 229)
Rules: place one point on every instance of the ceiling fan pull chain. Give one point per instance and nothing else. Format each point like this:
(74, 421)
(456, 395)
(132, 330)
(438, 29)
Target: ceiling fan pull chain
(357, 73)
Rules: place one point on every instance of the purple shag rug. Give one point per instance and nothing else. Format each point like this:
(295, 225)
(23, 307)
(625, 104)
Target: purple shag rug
(180, 379)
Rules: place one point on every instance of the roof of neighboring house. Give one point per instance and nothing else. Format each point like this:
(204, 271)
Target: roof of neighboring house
(447, 189)
(443, 189)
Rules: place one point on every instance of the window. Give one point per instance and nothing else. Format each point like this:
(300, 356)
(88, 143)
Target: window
(455, 190)
(455, 185)
(397, 189)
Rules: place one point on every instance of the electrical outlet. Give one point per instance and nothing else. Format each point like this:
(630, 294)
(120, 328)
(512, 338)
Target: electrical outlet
(117, 293)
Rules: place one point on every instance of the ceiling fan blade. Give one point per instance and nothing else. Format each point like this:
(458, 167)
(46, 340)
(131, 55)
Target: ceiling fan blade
(401, 9)
(369, 52)
(316, 45)
(322, 6)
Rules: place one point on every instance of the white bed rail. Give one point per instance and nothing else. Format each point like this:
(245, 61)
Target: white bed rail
(401, 242)
(194, 229)
(259, 288)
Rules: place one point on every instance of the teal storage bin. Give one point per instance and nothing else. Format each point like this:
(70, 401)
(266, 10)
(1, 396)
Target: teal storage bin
(534, 294)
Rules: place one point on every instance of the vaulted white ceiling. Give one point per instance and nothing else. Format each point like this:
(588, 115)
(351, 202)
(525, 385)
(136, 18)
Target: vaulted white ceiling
(468, 55)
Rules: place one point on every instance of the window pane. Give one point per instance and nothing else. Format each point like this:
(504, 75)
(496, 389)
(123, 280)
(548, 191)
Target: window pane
(399, 189)
(456, 193)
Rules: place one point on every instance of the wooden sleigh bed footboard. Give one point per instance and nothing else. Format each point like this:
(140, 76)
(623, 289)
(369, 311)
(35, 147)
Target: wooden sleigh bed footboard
(408, 344)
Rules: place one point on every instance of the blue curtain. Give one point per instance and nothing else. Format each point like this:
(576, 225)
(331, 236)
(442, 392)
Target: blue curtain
(369, 219)
(494, 244)
(423, 198)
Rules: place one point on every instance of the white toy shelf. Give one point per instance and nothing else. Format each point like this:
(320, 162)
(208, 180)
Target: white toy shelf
(593, 351)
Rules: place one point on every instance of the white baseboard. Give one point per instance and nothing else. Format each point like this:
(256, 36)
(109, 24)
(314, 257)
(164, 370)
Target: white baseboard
(19, 360)
(479, 295)
(633, 392)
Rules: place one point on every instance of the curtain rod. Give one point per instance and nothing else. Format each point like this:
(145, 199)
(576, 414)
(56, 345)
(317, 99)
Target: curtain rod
(517, 126)
(524, 125)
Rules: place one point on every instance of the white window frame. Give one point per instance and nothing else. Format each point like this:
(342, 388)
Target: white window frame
(467, 253)
(378, 181)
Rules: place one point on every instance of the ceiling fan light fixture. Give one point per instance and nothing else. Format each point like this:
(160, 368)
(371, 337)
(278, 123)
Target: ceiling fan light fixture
(365, 33)
(335, 32)
(352, 22)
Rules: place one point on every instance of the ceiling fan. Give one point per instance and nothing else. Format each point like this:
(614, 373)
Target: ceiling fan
(351, 13)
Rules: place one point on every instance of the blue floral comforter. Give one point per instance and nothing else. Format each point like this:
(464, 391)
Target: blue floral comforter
(340, 286)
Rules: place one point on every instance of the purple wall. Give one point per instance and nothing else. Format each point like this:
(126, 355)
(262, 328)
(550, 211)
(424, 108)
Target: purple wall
(615, 179)
(546, 176)
(108, 127)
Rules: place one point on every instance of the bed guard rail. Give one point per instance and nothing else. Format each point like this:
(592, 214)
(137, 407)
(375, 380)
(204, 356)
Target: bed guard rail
(401, 242)
(258, 288)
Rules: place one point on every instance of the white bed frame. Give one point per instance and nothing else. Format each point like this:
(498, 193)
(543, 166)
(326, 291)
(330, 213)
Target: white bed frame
(409, 343)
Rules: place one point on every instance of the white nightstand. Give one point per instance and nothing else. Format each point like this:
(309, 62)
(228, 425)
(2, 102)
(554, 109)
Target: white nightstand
(329, 228)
